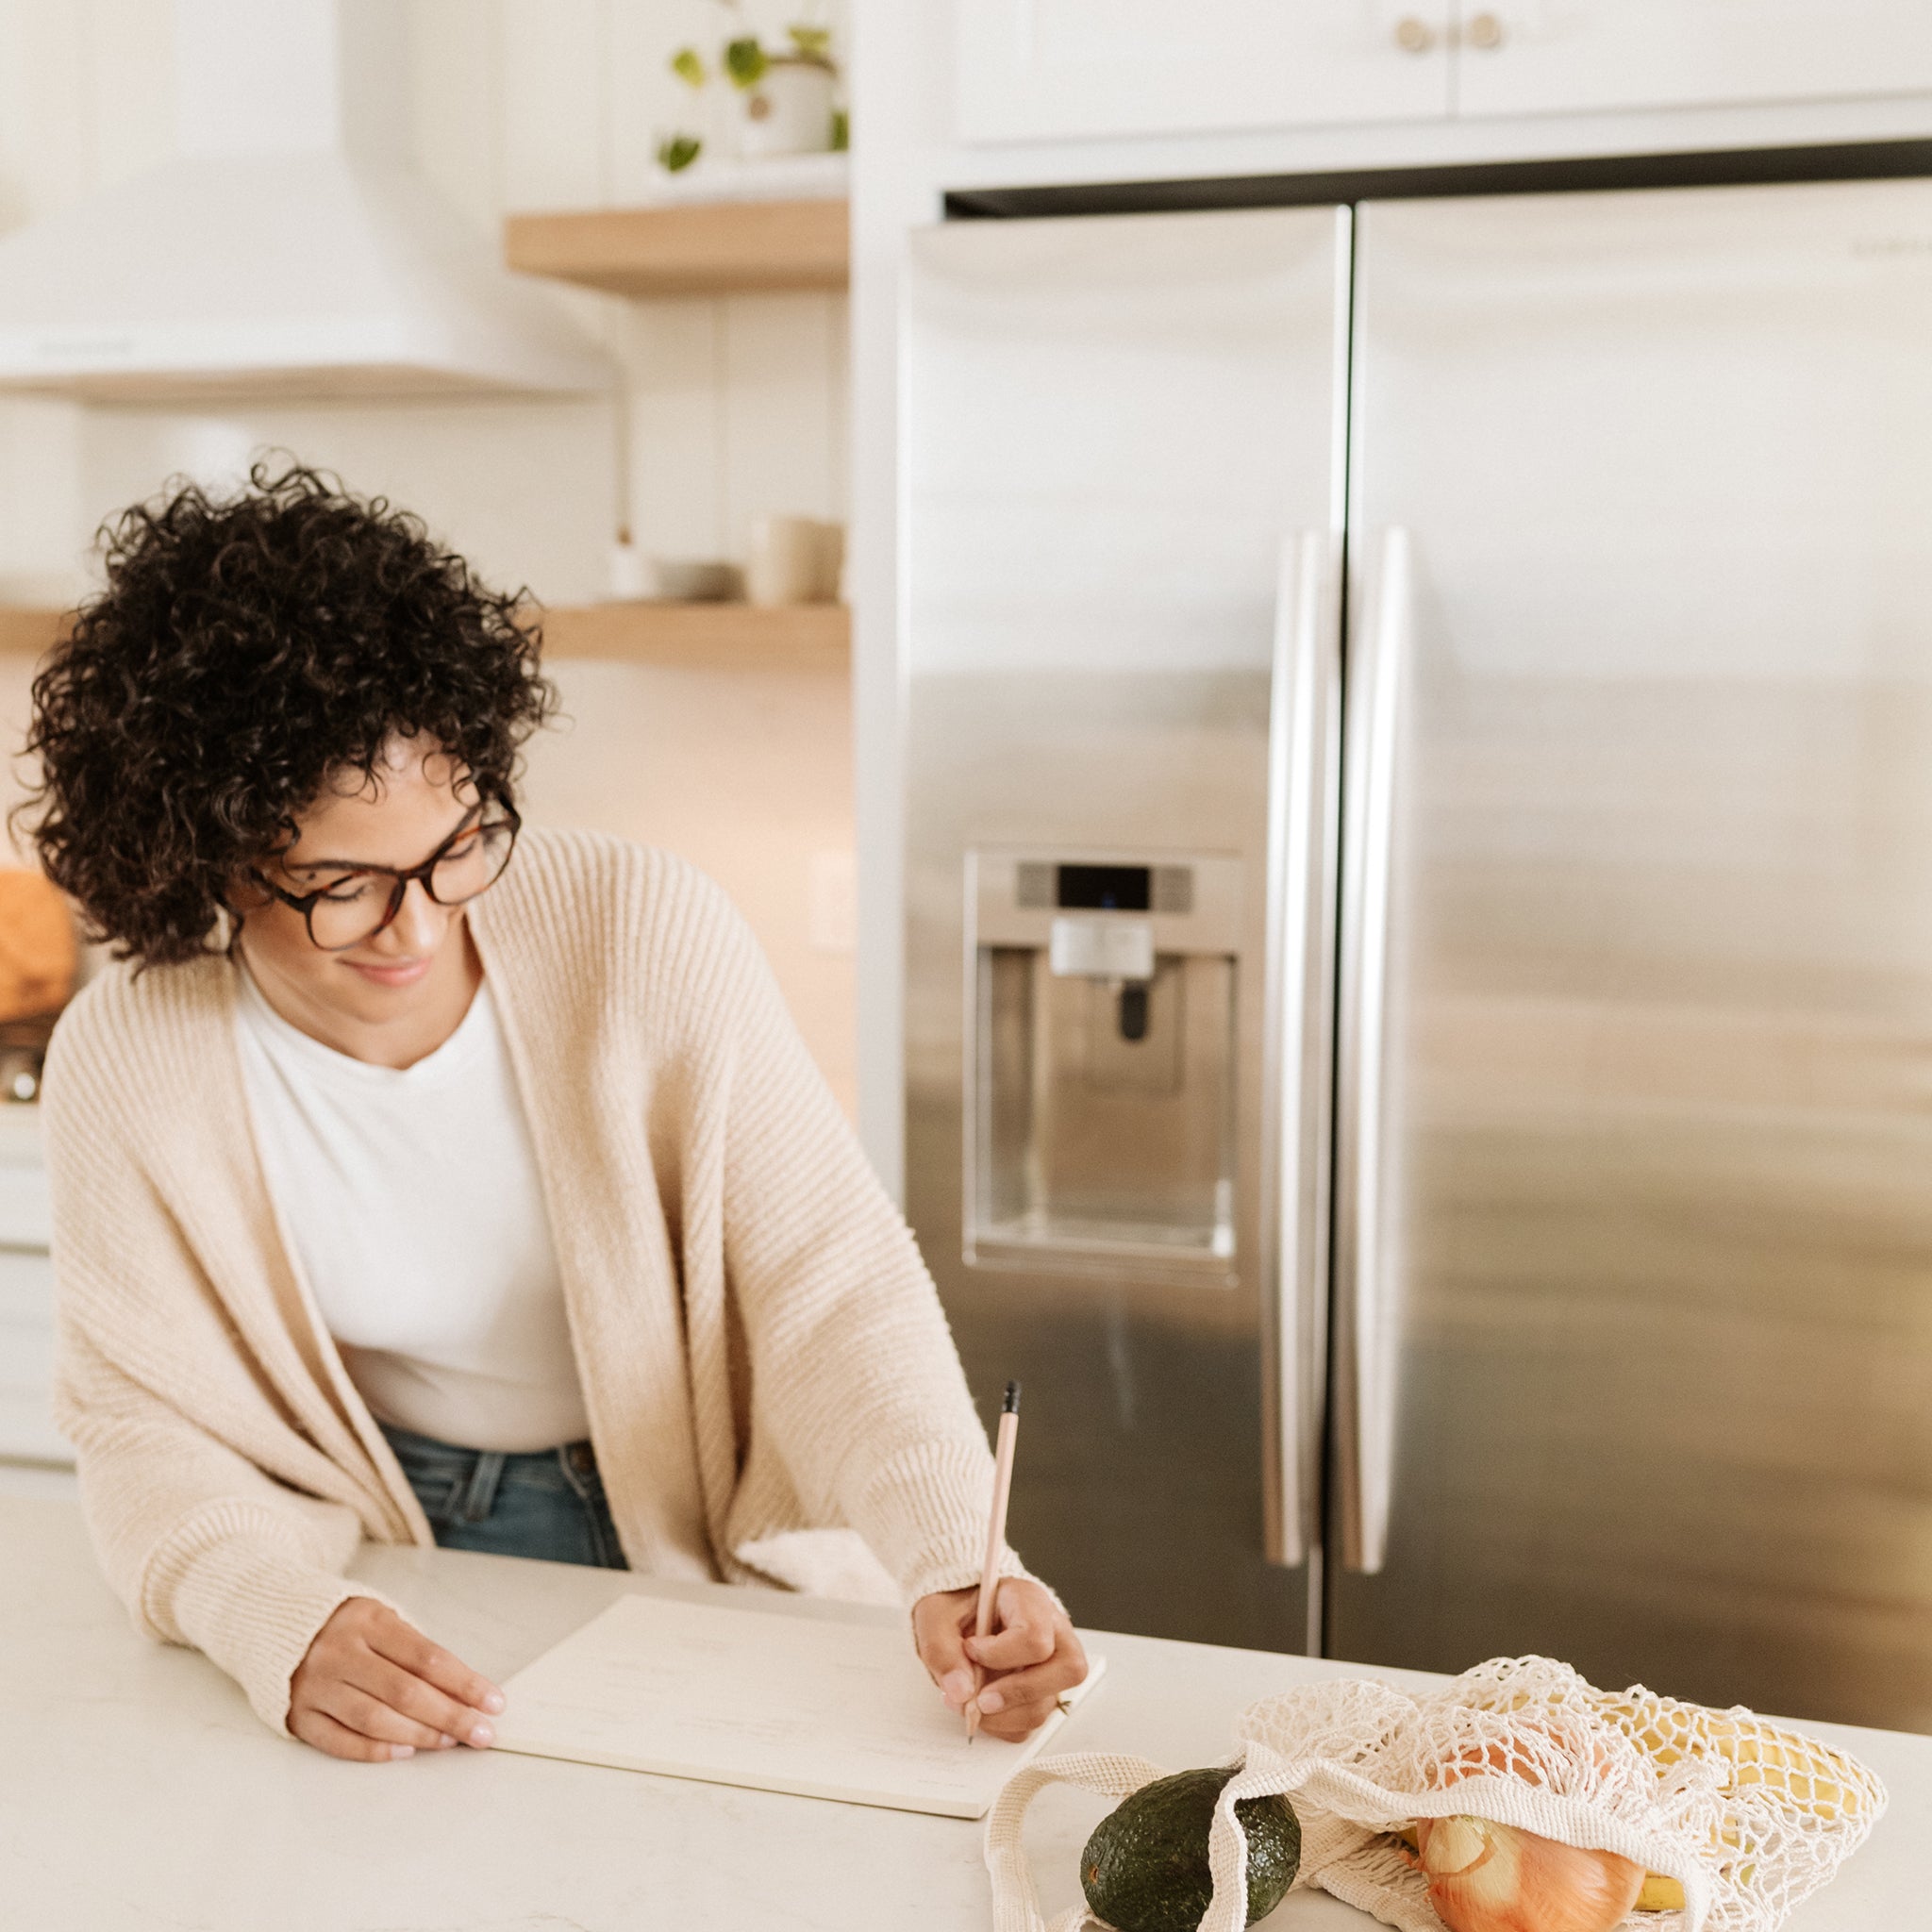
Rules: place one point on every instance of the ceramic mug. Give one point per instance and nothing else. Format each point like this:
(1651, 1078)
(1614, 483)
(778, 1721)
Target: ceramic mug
(793, 561)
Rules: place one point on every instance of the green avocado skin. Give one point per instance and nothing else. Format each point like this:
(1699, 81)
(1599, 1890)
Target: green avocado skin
(1145, 1867)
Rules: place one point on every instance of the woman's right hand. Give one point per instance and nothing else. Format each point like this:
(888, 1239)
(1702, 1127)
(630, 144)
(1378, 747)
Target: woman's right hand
(373, 1687)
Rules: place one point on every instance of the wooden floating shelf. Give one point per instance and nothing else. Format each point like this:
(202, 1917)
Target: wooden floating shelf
(706, 637)
(696, 248)
(712, 637)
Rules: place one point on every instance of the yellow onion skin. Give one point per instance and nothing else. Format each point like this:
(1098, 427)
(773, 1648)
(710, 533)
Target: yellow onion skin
(1485, 1877)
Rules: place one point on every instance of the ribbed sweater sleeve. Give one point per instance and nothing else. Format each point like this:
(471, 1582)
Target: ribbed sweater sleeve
(854, 1378)
(203, 1546)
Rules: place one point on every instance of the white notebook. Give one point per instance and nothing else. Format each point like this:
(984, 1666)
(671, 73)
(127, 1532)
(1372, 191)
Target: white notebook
(820, 1708)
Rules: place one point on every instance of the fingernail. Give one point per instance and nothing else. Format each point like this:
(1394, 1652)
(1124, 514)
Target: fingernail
(444, 1742)
(402, 1750)
(991, 1701)
(482, 1737)
(492, 1701)
(957, 1685)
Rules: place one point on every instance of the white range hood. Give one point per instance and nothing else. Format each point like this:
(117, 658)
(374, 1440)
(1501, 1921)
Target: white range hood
(287, 251)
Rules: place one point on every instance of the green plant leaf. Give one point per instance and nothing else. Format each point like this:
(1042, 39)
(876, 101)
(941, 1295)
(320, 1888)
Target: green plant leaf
(745, 61)
(678, 152)
(688, 66)
(814, 42)
(841, 129)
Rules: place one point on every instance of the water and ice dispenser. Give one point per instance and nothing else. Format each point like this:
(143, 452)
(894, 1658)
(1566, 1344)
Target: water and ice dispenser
(1101, 1063)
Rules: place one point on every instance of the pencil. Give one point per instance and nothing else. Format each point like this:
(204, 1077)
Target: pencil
(995, 1536)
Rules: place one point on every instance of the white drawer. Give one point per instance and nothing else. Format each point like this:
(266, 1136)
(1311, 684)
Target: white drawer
(28, 1432)
(27, 1288)
(26, 1382)
(27, 1220)
(26, 1356)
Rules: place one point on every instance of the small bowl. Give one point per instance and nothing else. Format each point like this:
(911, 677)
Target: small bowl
(687, 580)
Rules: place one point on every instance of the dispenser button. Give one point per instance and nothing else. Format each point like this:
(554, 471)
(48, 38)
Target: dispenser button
(1103, 948)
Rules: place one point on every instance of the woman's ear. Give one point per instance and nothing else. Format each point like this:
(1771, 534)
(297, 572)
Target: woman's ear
(241, 896)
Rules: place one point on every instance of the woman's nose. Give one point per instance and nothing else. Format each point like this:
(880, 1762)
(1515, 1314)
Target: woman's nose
(419, 927)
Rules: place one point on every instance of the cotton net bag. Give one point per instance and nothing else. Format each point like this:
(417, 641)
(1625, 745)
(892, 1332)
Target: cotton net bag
(1746, 1818)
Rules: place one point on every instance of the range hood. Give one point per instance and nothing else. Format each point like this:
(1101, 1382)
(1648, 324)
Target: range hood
(287, 251)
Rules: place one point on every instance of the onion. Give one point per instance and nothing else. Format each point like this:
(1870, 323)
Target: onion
(1485, 1877)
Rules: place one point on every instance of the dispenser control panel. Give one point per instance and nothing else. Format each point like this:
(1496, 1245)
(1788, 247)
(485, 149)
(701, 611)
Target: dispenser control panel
(1190, 906)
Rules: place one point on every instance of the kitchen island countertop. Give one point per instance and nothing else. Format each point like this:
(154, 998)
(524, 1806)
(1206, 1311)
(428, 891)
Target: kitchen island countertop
(138, 1791)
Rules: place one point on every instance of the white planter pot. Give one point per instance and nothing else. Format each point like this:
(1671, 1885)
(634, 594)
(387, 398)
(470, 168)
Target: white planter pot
(790, 111)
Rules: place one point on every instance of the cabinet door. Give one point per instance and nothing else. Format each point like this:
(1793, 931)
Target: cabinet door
(1044, 70)
(1540, 56)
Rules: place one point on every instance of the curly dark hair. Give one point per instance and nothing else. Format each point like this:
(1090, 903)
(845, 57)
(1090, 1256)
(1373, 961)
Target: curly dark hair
(245, 653)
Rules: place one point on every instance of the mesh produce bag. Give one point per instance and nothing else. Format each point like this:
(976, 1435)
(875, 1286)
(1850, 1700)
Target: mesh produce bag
(1746, 1817)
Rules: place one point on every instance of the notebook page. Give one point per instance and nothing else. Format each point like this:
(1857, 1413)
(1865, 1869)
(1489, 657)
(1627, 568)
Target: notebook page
(806, 1705)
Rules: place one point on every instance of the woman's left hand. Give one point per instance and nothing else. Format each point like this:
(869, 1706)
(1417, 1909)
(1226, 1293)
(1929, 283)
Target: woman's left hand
(1030, 1658)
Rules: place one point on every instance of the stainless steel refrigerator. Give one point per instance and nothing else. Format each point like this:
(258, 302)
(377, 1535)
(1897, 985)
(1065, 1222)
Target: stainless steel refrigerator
(1419, 1026)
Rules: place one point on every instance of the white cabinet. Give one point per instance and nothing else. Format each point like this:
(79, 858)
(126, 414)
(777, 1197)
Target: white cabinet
(1045, 70)
(1545, 56)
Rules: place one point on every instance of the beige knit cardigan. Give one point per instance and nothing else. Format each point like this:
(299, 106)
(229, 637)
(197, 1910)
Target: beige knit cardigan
(762, 1349)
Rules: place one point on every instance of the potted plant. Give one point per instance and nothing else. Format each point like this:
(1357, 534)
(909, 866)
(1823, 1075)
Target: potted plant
(790, 92)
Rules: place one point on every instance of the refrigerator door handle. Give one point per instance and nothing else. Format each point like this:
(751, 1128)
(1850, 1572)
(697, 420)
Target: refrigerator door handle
(1378, 673)
(1304, 714)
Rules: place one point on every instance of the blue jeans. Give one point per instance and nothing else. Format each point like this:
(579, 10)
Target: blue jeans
(547, 1504)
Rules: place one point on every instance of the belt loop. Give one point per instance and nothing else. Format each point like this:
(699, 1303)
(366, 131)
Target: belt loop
(579, 1465)
(479, 1498)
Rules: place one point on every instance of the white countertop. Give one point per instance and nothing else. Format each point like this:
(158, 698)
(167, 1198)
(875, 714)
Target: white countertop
(137, 1790)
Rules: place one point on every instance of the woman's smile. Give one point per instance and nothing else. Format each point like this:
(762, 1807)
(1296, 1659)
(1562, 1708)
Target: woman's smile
(392, 971)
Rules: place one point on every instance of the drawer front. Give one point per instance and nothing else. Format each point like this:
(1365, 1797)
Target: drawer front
(27, 1431)
(26, 1358)
(26, 1380)
(26, 1288)
(26, 1221)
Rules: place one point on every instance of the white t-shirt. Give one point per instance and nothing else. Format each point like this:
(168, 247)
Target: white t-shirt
(412, 1201)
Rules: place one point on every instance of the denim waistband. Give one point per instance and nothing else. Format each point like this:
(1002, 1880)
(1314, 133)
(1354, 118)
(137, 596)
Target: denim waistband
(430, 1449)
(477, 1475)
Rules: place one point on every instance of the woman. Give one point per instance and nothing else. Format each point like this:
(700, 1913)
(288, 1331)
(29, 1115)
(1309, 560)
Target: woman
(419, 1177)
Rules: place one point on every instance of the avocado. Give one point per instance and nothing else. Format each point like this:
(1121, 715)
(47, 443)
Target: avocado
(1145, 1867)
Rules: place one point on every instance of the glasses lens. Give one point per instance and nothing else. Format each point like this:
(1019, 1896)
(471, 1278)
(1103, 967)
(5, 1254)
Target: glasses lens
(351, 909)
(474, 863)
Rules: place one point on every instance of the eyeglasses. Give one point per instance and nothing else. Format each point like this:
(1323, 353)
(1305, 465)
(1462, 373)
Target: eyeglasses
(358, 905)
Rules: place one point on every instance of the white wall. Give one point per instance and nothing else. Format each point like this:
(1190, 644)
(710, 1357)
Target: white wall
(738, 406)
(735, 407)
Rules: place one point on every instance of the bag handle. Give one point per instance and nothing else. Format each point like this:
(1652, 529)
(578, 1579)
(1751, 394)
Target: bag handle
(1015, 1903)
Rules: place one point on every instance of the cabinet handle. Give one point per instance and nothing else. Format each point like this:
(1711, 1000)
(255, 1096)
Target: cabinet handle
(1485, 31)
(1414, 36)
